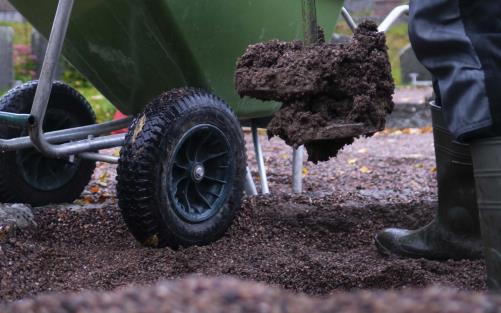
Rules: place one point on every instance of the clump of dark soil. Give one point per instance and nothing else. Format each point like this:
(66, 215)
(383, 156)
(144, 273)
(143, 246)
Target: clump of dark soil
(231, 295)
(331, 93)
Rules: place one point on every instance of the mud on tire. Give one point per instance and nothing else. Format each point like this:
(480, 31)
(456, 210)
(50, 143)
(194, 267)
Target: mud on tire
(181, 170)
(26, 175)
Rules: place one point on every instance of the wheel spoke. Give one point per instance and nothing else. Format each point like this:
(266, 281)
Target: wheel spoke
(187, 151)
(36, 168)
(24, 157)
(217, 180)
(180, 179)
(51, 172)
(202, 197)
(27, 154)
(183, 167)
(187, 201)
(202, 144)
(215, 156)
(213, 193)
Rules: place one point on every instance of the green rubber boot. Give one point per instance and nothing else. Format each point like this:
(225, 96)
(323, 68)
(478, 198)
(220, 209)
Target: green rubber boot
(486, 154)
(455, 231)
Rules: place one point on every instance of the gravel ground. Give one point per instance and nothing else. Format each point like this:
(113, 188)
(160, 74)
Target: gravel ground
(317, 243)
(230, 295)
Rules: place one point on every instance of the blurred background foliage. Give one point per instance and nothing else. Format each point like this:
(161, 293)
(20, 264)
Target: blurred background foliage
(25, 65)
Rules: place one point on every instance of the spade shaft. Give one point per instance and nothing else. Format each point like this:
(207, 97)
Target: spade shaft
(310, 25)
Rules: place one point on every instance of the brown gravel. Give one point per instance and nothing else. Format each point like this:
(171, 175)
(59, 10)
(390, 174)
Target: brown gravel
(230, 295)
(318, 243)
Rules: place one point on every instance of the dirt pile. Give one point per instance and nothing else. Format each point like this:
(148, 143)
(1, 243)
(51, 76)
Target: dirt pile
(230, 295)
(335, 91)
(318, 242)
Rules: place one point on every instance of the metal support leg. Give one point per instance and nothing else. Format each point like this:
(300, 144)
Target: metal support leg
(44, 88)
(260, 161)
(297, 170)
(310, 37)
(249, 186)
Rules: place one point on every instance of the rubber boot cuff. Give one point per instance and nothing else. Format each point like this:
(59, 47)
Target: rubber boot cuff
(486, 155)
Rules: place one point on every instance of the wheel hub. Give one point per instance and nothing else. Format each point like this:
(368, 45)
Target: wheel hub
(198, 173)
(201, 171)
(44, 173)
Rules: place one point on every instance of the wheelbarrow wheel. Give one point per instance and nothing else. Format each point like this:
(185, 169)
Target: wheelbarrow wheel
(181, 170)
(26, 175)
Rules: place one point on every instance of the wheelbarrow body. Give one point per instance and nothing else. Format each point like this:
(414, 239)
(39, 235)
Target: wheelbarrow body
(182, 166)
(136, 49)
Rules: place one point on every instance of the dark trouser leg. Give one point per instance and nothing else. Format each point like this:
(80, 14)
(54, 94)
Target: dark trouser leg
(459, 41)
(442, 39)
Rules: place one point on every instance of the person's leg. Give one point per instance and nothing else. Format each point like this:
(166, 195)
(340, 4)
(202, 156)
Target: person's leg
(438, 37)
(454, 233)
(438, 30)
(459, 41)
(482, 20)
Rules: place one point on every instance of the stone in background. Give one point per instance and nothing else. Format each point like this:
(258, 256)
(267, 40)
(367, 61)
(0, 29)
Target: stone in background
(38, 48)
(13, 217)
(8, 13)
(409, 64)
(6, 61)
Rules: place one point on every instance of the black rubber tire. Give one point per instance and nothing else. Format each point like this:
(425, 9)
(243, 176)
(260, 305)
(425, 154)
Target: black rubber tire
(147, 155)
(14, 184)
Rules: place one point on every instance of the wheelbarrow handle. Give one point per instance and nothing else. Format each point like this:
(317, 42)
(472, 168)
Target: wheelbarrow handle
(389, 20)
(392, 17)
(349, 20)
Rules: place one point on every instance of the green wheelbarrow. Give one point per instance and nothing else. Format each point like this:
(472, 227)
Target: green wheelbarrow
(169, 63)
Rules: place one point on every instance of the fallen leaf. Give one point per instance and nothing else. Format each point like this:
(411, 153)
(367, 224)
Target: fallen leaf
(419, 165)
(411, 131)
(352, 161)
(94, 189)
(305, 171)
(103, 179)
(86, 200)
(427, 129)
(364, 170)
(434, 169)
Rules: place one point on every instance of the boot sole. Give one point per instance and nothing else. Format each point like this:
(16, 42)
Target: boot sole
(382, 249)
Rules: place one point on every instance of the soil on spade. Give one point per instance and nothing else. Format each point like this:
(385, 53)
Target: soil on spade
(331, 93)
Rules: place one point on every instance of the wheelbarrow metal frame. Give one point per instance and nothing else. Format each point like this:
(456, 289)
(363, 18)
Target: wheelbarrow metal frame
(82, 140)
(77, 140)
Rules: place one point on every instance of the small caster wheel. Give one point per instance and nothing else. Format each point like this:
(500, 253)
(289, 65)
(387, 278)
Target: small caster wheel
(26, 175)
(181, 170)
